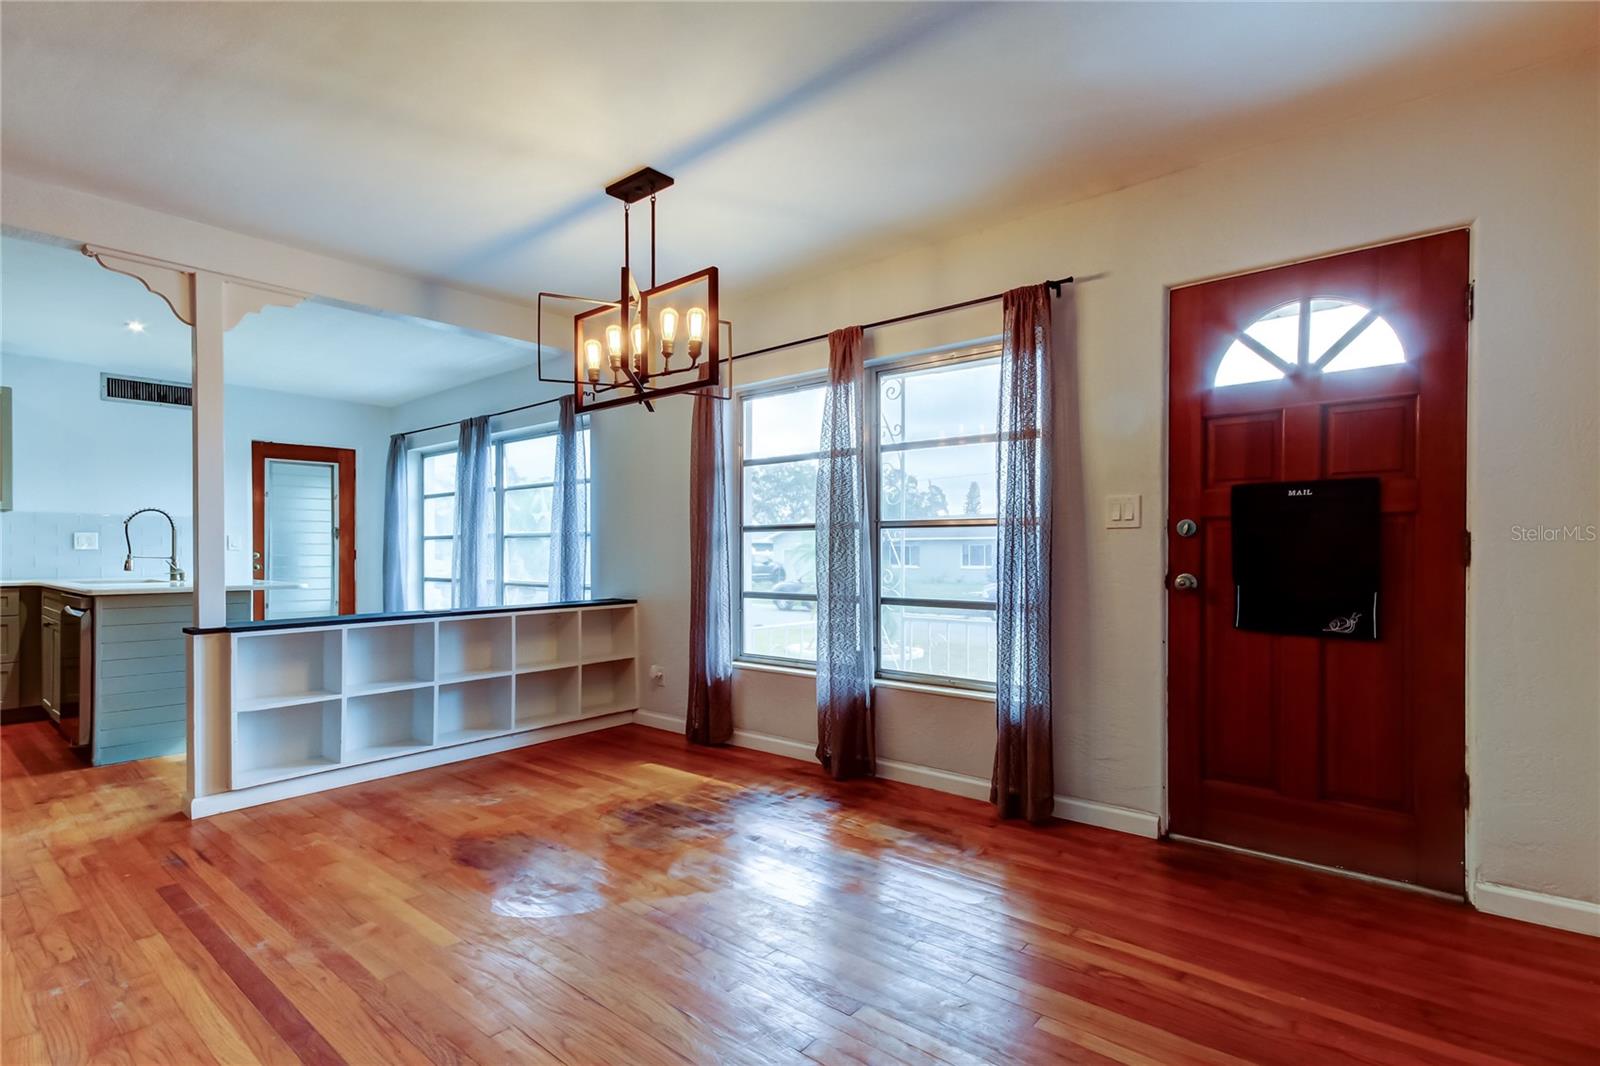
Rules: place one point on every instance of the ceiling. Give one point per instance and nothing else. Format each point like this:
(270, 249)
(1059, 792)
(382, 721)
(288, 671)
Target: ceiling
(56, 303)
(470, 141)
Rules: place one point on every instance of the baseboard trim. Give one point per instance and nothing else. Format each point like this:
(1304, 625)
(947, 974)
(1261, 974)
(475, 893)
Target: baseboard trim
(1109, 816)
(219, 802)
(1557, 912)
(1067, 808)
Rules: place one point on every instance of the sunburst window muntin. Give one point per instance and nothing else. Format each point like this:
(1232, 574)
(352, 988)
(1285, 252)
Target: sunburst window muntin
(1312, 335)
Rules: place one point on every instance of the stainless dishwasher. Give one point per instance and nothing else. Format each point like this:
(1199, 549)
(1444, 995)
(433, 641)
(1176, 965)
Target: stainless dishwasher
(67, 688)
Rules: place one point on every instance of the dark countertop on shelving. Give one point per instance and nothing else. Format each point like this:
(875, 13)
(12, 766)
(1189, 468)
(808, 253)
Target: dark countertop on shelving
(272, 624)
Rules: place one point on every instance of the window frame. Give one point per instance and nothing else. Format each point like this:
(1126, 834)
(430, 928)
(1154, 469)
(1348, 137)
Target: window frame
(877, 369)
(498, 442)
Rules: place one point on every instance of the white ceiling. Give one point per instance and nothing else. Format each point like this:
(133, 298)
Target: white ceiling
(56, 303)
(471, 141)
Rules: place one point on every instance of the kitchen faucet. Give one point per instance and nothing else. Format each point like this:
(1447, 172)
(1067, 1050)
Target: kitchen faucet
(173, 573)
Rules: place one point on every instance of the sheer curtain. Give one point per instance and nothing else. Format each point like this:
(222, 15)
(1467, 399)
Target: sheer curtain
(568, 505)
(846, 746)
(395, 526)
(474, 569)
(709, 718)
(1024, 781)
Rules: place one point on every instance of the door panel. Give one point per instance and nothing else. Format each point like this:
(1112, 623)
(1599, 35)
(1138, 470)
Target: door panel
(304, 528)
(1344, 753)
(302, 538)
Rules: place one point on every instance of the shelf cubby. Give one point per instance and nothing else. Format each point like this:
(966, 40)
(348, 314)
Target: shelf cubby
(381, 657)
(309, 700)
(276, 742)
(609, 686)
(384, 724)
(475, 647)
(470, 710)
(549, 638)
(607, 634)
(289, 666)
(547, 696)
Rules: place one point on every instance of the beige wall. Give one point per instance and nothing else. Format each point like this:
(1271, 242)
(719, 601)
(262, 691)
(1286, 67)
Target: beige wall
(1516, 160)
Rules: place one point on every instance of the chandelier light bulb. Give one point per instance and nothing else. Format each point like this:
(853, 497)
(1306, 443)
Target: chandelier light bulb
(591, 360)
(641, 358)
(669, 336)
(697, 333)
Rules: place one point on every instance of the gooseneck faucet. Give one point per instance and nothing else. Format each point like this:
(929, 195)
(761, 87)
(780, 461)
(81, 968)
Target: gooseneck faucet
(173, 573)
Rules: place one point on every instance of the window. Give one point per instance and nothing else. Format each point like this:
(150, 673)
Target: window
(977, 556)
(779, 434)
(1338, 335)
(522, 478)
(933, 507)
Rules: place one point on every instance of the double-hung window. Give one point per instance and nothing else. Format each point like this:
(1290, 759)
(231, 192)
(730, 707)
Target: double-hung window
(931, 504)
(522, 482)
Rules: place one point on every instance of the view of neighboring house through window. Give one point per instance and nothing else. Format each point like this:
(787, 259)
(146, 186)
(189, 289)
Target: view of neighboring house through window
(931, 503)
(522, 478)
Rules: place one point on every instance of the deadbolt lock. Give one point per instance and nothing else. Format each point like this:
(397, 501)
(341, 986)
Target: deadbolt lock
(1187, 527)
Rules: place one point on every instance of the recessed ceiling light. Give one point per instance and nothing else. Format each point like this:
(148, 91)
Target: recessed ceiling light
(135, 326)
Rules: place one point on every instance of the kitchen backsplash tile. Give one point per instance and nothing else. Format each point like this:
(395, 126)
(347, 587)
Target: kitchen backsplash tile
(39, 544)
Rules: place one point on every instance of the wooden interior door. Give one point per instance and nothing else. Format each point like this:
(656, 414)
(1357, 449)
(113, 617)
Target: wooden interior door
(1345, 753)
(339, 522)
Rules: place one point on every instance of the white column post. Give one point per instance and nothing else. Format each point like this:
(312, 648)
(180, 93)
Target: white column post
(210, 535)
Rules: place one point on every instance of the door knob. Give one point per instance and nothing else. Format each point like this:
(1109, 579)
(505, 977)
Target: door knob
(1185, 582)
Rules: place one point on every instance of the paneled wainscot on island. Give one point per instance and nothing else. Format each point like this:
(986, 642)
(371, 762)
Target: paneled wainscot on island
(288, 707)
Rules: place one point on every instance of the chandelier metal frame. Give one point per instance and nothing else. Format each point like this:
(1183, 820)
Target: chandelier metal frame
(631, 345)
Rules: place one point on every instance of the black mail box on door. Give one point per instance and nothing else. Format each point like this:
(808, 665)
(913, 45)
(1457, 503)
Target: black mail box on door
(1305, 558)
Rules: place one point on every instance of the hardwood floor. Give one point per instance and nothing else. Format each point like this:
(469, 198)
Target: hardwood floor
(622, 898)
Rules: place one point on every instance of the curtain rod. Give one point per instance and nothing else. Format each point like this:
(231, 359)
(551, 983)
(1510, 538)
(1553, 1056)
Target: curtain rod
(492, 414)
(1054, 285)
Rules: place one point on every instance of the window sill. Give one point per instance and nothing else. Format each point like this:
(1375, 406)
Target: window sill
(975, 695)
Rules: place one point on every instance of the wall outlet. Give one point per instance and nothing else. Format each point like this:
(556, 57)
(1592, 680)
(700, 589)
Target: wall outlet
(1123, 512)
(86, 542)
(658, 676)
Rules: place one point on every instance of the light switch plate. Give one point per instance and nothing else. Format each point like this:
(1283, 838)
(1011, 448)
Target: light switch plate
(233, 542)
(86, 542)
(1123, 511)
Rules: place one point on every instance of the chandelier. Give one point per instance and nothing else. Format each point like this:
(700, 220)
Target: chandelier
(646, 343)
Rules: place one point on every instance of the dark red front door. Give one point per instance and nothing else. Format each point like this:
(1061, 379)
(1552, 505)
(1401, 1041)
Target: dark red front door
(1346, 753)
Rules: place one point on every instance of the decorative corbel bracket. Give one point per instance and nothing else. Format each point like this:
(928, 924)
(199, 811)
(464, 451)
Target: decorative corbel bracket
(174, 283)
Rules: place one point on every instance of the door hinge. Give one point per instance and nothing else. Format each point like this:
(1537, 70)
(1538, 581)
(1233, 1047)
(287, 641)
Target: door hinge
(1466, 547)
(1466, 790)
(1472, 299)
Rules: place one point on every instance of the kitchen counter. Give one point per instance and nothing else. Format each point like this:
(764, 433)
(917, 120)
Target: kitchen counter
(117, 586)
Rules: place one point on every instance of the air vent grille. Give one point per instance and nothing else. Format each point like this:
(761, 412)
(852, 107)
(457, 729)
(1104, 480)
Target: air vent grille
(139, 390)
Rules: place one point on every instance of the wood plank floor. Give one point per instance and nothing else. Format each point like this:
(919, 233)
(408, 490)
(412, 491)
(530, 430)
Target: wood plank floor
(622, 898)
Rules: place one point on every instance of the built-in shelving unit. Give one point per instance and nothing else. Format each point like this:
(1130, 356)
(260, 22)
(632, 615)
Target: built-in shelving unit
(306, 700)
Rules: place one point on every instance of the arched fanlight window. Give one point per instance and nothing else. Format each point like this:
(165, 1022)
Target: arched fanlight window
(1341, 335)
